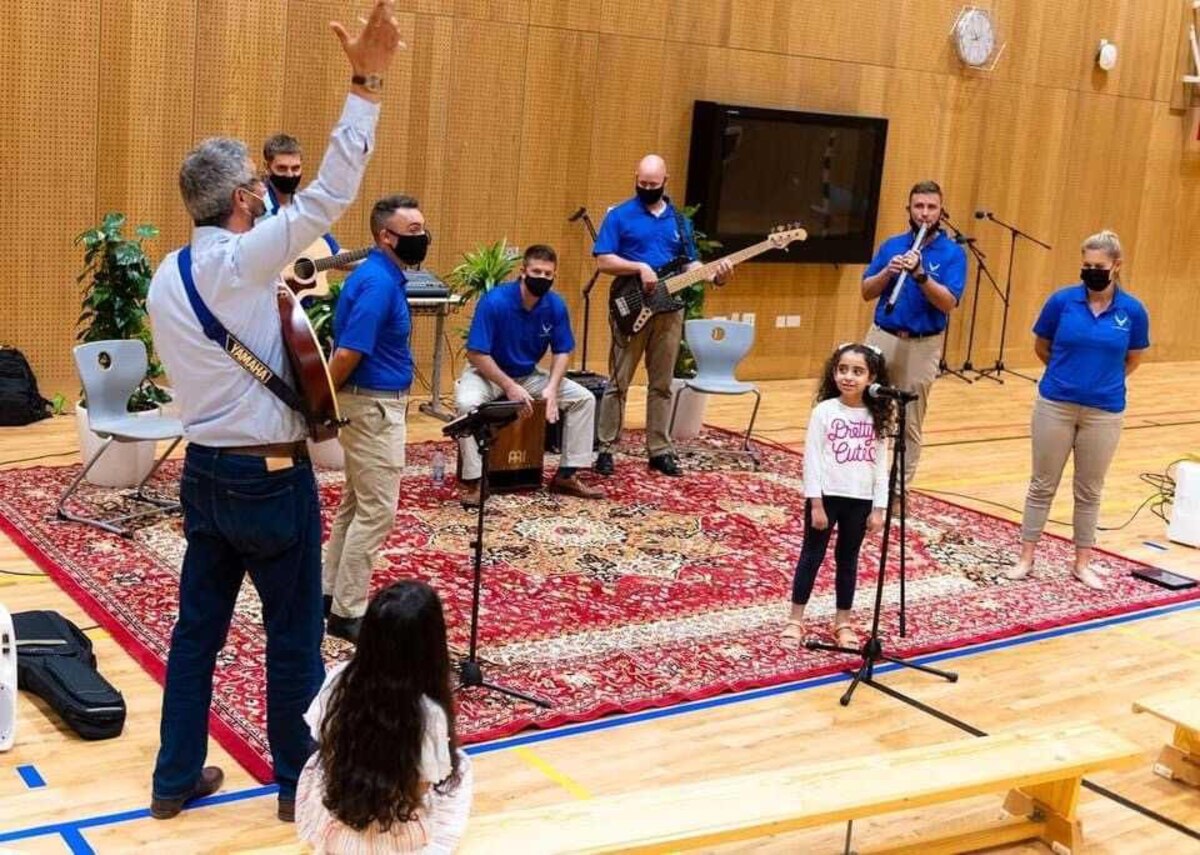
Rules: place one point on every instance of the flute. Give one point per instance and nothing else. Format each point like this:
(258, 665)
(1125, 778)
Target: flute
(891, 303)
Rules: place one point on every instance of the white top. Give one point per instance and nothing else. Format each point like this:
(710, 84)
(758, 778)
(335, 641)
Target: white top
(236, 275)
(842, 455)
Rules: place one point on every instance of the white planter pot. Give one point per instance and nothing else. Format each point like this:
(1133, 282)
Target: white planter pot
(124, 464)
(690, 417)
(327, 454)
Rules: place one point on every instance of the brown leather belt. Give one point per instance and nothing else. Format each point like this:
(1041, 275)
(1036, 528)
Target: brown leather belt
(295, 450)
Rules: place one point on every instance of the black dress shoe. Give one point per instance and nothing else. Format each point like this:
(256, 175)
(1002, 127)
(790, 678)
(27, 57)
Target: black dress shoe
(286, 811)
(343, 627)
(604, 464)
(667, 464)
(326, 604)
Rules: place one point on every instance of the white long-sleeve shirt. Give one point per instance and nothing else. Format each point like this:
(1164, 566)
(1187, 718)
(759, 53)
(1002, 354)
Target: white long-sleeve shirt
(842, 455)
(236, 275)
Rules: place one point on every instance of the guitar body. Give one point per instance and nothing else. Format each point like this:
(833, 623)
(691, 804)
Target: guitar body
(305, 277)
(631, 307)
(309, 368)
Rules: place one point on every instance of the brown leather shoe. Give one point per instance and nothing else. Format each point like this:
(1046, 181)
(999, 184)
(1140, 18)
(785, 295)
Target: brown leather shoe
(210, 780)
(287, 810)
(574, 487)
(470, 496)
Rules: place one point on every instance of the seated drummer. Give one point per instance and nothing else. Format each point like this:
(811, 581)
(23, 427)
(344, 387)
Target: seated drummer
(514, 325)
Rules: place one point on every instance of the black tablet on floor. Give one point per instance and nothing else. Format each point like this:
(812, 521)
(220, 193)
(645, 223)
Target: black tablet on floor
(1165, 578)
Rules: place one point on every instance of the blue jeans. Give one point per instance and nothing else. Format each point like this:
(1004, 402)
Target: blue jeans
(239, 518)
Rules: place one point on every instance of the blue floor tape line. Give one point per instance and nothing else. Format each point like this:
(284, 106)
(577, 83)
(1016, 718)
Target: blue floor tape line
(30, 775)
(69, 830)
(76, 843)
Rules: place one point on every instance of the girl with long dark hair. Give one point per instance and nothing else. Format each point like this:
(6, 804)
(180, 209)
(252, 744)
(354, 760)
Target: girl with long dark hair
(845, 479)
(388, 775)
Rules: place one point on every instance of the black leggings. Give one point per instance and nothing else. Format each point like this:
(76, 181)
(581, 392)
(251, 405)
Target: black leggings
(849, 516)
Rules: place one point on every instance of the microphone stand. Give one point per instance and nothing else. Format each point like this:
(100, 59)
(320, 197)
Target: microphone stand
(943, 367)
(999, 368)
(872, 649)
(582, 214)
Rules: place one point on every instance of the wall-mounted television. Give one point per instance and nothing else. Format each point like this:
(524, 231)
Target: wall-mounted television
(752, 168)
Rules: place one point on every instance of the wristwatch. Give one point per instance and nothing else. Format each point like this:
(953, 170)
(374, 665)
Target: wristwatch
(921, 278)
(371, 82)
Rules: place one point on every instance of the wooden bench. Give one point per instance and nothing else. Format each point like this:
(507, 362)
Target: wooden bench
(1179, 760)
(1042, 768)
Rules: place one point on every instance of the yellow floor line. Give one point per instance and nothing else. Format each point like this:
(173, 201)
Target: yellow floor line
(1169, 645)
(536, 761)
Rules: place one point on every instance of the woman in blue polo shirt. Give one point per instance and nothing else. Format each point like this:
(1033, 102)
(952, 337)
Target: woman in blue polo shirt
(1091, 336)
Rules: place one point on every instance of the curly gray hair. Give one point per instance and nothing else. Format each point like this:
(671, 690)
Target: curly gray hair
(209, 175)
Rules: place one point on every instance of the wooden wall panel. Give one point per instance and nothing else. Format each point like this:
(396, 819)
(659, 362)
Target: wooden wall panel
(503, 117)
(49, 62)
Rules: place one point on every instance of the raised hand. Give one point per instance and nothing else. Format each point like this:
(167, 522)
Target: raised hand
(371, 51)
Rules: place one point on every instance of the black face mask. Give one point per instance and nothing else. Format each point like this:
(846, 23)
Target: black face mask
(649, 196)
(1095, 278)
(411, 249)
(285, 184)
(538, 285)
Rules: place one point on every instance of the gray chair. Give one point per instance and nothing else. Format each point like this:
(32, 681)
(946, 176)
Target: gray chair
(110, 372)
(718, 347)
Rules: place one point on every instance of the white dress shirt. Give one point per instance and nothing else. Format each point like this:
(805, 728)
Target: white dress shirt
(236, 275)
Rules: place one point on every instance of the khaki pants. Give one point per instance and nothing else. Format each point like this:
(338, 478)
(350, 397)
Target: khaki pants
(1059, 429)
(373, 443)
(576, 406)
(659, 341)
(912, 365)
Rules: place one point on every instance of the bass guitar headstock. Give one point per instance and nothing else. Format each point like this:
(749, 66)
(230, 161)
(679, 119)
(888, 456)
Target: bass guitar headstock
(784, 234)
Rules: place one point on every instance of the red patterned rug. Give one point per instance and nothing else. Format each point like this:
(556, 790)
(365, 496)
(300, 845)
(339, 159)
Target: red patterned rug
(669, 590)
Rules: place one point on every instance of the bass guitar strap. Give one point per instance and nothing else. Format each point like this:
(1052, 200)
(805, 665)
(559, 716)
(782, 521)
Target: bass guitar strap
(229, 343)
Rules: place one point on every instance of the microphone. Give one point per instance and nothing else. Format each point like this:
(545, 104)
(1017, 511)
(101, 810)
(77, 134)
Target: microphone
(983, 215)
(875, 390)
(961, 238)
(579, 213)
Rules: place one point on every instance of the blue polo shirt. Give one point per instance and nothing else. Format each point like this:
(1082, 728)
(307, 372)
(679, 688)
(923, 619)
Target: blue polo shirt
(372, 318)
(943, 260)
(632, 232)
(1087, 352)
(517, 338)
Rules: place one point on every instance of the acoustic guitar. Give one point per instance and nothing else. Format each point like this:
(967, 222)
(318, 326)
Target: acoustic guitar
(309, 368)
(631, 306)
(307, 276)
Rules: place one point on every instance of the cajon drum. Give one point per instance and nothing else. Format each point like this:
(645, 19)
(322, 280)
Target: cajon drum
(515, 459)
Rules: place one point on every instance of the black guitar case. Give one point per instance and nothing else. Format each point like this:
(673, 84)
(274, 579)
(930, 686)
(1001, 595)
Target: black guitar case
(55, 662)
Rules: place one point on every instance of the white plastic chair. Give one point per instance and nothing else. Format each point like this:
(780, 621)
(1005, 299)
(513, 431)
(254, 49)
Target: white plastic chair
(8, 681)
(110, 372)
(718, 347)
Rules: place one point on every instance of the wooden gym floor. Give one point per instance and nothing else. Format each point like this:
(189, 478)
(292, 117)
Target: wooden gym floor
(95, 794)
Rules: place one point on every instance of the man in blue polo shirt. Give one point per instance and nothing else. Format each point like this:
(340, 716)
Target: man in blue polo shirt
(637, 238)
(371, 368)
(514, 325)
(910, 333)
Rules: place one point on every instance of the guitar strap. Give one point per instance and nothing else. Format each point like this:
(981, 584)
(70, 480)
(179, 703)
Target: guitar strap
(229, 343)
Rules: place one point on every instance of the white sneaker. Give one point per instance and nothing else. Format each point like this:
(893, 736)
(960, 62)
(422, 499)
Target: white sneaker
(1088, 577)
(1018, 571)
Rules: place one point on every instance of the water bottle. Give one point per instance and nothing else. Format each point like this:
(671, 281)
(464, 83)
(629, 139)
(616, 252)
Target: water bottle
(439, 467)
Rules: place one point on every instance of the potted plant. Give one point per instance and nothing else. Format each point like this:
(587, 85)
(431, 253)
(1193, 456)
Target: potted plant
(690, 417)
(116, 276)
(328, 453)
(483, 269)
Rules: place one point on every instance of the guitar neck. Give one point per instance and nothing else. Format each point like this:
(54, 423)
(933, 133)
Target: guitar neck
(705, 272)
(340, 259)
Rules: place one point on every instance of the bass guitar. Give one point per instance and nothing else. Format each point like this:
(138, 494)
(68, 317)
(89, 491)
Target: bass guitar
(631, 306)
(307, 276)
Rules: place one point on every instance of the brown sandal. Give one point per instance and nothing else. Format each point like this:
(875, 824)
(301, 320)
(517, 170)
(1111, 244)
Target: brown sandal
(846, 636)
(793, 630)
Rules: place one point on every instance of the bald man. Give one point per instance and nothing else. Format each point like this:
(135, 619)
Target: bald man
(640, 237)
